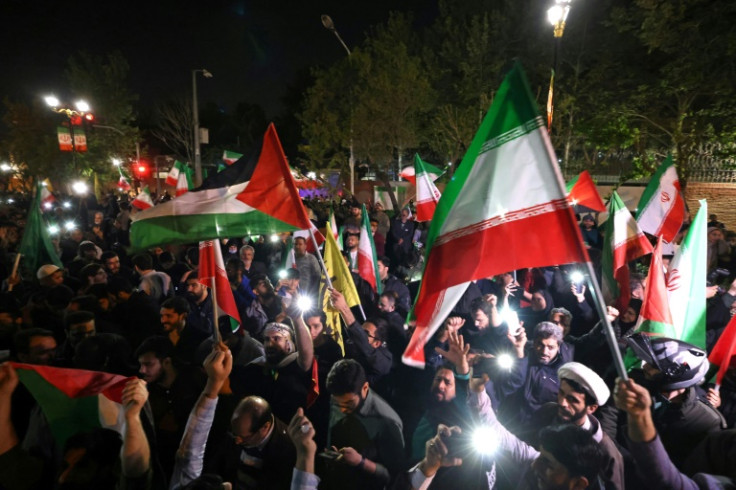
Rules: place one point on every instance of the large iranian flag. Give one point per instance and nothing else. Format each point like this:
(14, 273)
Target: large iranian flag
(624, 242)
(75, 400)
(427, 193)
(367, 259)
(686, 281)
(247, 198)
(505, 209)
(661, 207)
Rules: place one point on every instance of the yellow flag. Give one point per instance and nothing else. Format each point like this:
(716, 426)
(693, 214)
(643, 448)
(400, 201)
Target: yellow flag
(342, 280)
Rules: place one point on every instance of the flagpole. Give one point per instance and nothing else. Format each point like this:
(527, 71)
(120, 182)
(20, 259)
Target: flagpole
(593, 285)
(328, 281)
(218, 337)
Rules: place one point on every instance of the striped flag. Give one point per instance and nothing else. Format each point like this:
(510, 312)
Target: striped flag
(247, 198)
(230, 157)
(367, 261)
(686, 281)
(498, 213)
(724, 350)
(427, 194)
(75, 400)
(212, 272)
(409, 173)
(624, 242)
(143, 199)
(184, 184)
(173, 178)
(661, 207)
(582, 194)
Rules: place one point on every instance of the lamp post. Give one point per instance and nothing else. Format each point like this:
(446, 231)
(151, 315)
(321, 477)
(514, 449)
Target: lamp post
(195, 117)
(82, 111)
(330, 26)
(557, 15)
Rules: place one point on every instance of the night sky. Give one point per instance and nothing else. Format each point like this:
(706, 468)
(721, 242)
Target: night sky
(254, 49)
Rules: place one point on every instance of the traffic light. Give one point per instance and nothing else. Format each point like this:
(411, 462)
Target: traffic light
(141, 169)
(89, 117)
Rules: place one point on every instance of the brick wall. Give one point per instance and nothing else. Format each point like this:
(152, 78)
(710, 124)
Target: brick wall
(721, 200)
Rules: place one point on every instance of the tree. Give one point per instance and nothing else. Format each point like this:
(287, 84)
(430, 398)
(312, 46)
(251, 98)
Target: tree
(174, 126)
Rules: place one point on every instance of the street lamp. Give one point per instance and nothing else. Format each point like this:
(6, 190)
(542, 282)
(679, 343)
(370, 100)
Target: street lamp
(195, 113)
(330, 26)
(81, 111)
(557, 15)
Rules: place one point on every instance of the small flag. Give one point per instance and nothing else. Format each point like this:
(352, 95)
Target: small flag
(173, 178)
(230, 157)
(724, 350)
(583, 195)
(409, 173)
(367, 261)
(624, 242)
(655, 309)
(65, 139)
(75, 400)
(427, 193)
(661, 207)
(47, 199)
(212, 273)
(184, 184)
(143, 199)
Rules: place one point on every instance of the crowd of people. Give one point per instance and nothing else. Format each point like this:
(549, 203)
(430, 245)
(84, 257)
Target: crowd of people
(519, 388)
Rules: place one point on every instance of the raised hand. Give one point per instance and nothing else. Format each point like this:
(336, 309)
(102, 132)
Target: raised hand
(135, 395)
(457, 352)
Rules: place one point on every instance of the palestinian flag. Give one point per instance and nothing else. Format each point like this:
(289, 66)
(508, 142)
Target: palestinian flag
(367, 260)
(247, 198)
(583, 195)
(655, 309)
(624, 242)
(74, 400)
(410, 173)
(686, 281)
(143, 199)
(185, 183)
(173, 176)
(661, 207)
(497, 214)
(427, 194)
(212, 274)
(230, 157)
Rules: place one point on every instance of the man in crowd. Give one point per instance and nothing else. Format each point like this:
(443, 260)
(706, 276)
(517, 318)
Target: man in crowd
(364, 430)
(174, 314)
(309, 271)
(392, 283)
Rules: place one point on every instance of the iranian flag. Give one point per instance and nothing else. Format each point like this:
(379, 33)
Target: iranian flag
(624, 242)
(318, 237)
(75, 400)
(173, 178)
(661, 207)
(184, 184)
(230, 157)
(143, 199)
(724, 350)
(212, 274)
(47, 199)
(427, 194)
(505, 209)
(247, 198)
(583, 195)
(410, 173)
(334, 228)
(367, 261)
(686, 281)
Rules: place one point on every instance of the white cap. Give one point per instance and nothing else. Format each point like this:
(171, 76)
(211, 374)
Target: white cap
(46, 270)
(587, 378)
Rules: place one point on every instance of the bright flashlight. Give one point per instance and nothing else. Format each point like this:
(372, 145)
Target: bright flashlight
(512, 320)
(48, 205)
(577, 277)
(485, 441)
(80, 187)
(70, 225)
(53, 229)
(304, 303)
(282, 274)
(505, 361)
(274, 238)
(66, 204)
(11, 200)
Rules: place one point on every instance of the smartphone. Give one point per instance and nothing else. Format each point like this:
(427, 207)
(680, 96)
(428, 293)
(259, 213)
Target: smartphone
(329, 454)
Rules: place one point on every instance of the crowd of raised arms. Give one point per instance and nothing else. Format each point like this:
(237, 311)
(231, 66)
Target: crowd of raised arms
(282, 400)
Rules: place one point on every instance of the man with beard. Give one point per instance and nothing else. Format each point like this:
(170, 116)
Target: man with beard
(535, 381)
(174, 314)
(364, 430)
(581, 392)
(111, 260)
(200, 305)
(170, 393)
(265, 308)
(283, 377)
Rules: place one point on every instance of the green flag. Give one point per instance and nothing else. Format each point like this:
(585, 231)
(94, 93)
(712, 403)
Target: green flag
(36, 247)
